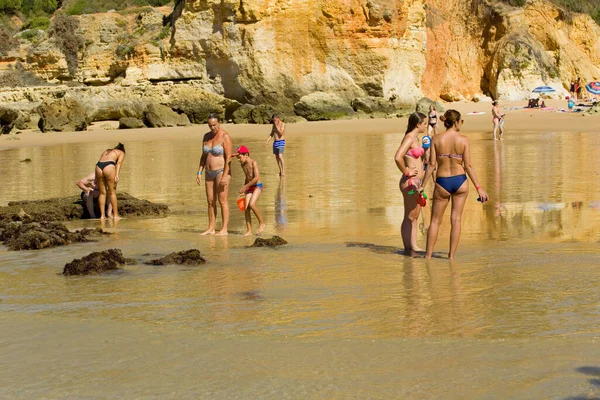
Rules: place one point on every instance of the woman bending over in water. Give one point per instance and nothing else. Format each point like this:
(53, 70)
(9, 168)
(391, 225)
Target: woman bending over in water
(409, 160)
(107, 177)
(450, 152)
(216, 163)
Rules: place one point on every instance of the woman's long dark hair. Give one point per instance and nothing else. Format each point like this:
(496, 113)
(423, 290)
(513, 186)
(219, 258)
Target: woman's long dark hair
(415, 119)
(121, 147)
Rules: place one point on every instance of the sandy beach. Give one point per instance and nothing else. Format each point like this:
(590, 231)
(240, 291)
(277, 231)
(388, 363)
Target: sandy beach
(339, 312)
(517, 120)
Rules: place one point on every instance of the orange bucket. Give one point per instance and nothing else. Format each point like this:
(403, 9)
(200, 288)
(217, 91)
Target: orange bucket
(241, 202)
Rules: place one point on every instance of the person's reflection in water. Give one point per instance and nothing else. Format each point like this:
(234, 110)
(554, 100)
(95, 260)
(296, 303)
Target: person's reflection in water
(218, 243)
(498, 170)
(280, 207)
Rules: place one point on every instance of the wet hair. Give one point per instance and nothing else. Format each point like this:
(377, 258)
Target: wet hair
(415, 119)
(450, 118)
(214, 116)
(120, 146)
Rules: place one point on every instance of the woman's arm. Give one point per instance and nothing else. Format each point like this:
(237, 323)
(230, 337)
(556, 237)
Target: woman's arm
(399, 157)
(471, 172)
(119, 164)
(201, 166)
(227, 144)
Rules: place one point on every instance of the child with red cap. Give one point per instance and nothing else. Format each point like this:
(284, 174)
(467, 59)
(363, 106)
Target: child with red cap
(252, 188)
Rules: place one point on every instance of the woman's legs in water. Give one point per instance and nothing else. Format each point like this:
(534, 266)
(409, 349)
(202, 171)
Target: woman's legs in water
(496, 125)
(102, 188)
(459, 199)
(409, 226)
(222, 192)
(440, 202)
(210, 186)
(109, 173)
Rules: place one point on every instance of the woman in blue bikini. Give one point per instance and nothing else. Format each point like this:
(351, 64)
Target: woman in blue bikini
(216, 164)
(451, 155)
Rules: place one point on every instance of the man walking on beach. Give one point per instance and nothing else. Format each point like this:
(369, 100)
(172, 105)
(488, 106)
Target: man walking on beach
(278, 135)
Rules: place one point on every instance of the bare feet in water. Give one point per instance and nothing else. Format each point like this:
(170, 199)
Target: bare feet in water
(248, 233)
(116, 218)
(261, 228)
(416, 248)
(222, 232)
(208, 232)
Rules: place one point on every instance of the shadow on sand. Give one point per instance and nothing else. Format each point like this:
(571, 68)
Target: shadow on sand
(391, 250)
(591, 371)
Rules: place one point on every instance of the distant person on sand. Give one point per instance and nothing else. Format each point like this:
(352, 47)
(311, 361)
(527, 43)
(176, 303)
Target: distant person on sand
(252, 189)
(107, 177)
(409, 160)
(498, 120)
(572, 88)
(90, 192)
(216, 162)
(278, 136)
(432, 120)
(578, 89)
(450, 151)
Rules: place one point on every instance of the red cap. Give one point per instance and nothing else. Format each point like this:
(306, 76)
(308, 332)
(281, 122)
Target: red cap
(241, 150)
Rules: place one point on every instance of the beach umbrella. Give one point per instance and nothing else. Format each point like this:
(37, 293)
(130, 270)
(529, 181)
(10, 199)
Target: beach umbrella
(593, 87)
(543, 89)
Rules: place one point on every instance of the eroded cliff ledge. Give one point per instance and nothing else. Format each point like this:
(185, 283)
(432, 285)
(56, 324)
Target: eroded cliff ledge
(278, 51)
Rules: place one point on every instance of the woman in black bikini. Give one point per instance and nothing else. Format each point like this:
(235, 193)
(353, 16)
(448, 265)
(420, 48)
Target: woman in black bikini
(432, 120)
(107, 176)
(450, 153)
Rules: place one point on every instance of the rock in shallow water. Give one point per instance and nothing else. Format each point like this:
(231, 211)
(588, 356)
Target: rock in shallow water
(186, 257)
(274, 241)
(96, 263)
(21, 235)
(66, 208)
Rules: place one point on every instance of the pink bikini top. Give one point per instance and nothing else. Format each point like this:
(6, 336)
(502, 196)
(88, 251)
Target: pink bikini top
(416, 152)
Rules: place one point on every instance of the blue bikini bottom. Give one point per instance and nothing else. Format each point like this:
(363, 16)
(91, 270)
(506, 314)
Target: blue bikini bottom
(451, 183)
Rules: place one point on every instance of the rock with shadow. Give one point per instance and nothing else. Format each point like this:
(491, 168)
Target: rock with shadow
(72, 207)
(186, 257)
(97, 263)
(272, 242)
(25, 234)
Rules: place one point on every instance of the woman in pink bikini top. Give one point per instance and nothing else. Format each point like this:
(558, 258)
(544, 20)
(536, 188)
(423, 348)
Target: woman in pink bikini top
(409, 160)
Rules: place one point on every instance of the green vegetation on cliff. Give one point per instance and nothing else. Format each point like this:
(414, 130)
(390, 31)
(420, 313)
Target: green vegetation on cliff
(78, 7)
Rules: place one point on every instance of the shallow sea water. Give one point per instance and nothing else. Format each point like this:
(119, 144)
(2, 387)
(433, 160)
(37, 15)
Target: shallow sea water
(340, 312)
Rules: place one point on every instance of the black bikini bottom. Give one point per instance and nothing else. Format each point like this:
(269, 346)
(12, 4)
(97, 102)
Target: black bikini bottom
(104, 164)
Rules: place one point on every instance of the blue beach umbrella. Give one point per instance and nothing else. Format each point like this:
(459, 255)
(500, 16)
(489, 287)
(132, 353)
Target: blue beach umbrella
(543, 89)
(593, 87)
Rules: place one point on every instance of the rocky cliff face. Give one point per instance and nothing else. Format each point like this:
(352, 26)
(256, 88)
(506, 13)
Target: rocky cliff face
(277, 51)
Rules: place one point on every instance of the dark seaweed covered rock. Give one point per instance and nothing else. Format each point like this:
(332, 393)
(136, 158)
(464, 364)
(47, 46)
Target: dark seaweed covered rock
(186, 257)
(274, 241)
(96, 263)
(65, 208)
(28, 235)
